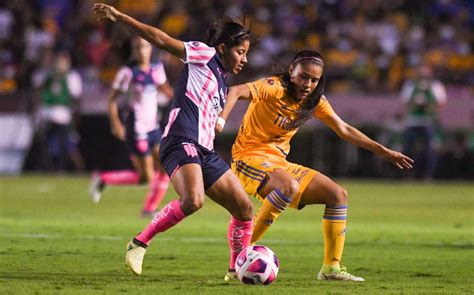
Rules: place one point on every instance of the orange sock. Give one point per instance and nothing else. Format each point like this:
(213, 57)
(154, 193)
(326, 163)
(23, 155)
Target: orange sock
(275, 203)
(334, 229)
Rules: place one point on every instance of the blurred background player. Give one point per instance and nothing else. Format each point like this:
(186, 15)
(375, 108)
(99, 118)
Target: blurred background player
(60, 88)
(423, 98)
(141, 81)
(279, 106)
(187, 147)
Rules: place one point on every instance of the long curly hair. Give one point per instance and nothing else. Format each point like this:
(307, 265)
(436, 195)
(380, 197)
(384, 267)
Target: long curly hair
(310, 103)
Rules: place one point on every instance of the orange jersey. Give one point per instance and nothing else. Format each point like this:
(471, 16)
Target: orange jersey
(263, 129)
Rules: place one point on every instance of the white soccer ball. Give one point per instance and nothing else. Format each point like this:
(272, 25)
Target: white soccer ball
(257, 265)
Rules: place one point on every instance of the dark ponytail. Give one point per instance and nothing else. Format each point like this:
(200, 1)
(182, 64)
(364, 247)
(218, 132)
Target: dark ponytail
(227, 31)
(309, 104)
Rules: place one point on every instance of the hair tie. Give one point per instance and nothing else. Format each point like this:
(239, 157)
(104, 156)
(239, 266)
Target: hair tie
(316, 60)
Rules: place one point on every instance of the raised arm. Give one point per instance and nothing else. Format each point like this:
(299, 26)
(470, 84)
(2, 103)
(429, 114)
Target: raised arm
(235, 93)
(153, 35)
(355, 137)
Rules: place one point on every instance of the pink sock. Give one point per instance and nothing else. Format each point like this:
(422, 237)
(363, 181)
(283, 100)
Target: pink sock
(158, 188)
(239, 235)
(168, 216)
(120, 177)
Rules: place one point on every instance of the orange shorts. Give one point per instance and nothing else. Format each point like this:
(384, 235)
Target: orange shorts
(252, 171)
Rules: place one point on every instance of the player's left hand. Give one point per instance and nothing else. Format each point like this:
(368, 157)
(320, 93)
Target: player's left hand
(398, 159)
(105, 11)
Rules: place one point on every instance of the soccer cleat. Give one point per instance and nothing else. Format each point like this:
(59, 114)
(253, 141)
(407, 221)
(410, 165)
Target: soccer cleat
(231, 275)
(339, 275)
(134, 257)
(96, 187)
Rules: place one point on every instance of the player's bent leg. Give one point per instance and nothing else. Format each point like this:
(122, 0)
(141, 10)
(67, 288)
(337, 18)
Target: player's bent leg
(279, 189)
(158, 185)
(228, 192)
(188, 183)
(322, 190)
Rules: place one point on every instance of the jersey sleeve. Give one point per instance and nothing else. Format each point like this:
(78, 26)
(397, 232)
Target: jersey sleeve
(122, 79)
(264, 89)
(198, 52)
(159, 74)
(323, 109)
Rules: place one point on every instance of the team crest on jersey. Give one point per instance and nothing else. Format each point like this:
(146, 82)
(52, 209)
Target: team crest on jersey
(270, 81)
(195, 43)
(266, 164)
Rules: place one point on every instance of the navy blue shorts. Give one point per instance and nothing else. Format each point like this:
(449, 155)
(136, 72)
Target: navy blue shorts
(137, 144)
(179, 151)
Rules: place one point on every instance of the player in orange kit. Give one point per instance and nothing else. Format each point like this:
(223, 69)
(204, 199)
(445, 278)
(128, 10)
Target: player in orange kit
(279, 106)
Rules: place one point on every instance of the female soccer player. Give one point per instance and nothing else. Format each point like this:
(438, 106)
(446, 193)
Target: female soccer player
(187, 152)
(279, 106)
(140, 80)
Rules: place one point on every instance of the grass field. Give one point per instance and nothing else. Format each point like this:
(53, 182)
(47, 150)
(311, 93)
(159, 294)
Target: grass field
(402, 238)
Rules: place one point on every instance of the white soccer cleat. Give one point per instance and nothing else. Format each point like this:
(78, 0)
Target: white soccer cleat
(230, 276)
(134, 257)
(96, 187)
(339, 275)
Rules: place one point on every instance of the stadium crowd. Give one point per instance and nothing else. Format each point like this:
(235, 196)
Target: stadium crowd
(368, 45)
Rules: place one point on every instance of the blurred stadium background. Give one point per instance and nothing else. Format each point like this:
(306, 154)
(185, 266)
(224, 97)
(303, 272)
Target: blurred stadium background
(370, 47)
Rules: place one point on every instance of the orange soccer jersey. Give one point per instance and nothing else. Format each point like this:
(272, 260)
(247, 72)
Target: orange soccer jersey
(264, 127)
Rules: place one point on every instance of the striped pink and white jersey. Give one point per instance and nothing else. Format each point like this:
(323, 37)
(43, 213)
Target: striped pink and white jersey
(141, 89)
(199, 95)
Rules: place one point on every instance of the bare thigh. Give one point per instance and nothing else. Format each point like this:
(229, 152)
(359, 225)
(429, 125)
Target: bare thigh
(229, 193)
(322, 190)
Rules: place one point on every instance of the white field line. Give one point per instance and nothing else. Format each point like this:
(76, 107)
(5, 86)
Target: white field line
(117, 238)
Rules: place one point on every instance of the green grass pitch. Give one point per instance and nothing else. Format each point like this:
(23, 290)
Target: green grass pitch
(403, 238)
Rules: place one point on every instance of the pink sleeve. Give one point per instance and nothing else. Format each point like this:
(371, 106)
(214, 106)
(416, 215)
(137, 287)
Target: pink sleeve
(122, 79)
(198, 52)
(159, 74)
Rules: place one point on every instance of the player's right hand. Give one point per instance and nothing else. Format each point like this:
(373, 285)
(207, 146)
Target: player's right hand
(105, 11)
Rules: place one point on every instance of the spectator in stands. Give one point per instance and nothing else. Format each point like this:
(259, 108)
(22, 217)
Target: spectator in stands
(423, 98)
(60, 89)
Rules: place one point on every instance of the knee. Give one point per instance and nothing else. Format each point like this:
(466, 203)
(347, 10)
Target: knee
(284, 182)
(341, 196)
(245, 212)
(292, 188)
(289, 187)
(192, 203)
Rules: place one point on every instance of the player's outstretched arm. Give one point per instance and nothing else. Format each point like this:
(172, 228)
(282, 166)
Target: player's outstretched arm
(237, 92)
(153, 35)
(355, 137)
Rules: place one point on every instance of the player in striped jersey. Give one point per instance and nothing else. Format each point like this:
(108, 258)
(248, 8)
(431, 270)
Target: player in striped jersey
(142, 81)
(279, 106)
(187, 151)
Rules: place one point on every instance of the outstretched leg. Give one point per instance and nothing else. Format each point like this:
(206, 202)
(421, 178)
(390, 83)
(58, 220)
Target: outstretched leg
(188, 183)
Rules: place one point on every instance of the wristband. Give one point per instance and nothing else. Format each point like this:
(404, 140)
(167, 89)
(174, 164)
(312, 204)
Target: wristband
(221, 122)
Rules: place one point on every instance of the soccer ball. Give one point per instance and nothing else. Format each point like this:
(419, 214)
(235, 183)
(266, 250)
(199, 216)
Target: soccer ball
(257, 265)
